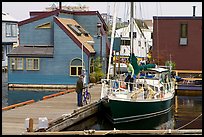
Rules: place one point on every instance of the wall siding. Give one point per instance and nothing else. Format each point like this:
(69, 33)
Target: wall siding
(63, 15)
(32, 36)
(90, 25)
(55, 70)
(7, 39)
(166, 42)
(65, 51)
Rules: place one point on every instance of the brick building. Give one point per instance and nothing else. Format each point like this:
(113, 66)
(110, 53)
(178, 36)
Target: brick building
(180, 37)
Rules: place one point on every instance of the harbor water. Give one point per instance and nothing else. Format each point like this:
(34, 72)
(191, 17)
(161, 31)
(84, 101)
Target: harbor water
(186, 112)
(10, 97)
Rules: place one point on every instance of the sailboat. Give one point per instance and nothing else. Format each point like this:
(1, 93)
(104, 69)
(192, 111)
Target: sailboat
(152, 95)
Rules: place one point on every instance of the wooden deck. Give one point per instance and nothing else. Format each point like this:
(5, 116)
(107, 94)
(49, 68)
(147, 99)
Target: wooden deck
(13, 120)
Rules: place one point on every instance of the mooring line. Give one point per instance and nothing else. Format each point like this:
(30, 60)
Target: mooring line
(169, 130)
(190, 122)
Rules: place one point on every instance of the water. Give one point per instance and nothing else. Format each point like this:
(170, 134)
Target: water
(185, 114)
(10, 97)
(185, 110)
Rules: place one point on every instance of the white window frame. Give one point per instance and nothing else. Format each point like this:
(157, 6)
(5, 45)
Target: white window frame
(11, 30)
(75, 66)
(17, 63)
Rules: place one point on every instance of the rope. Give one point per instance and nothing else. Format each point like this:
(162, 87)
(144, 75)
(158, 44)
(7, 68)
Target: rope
(169, 130)
(189, 122)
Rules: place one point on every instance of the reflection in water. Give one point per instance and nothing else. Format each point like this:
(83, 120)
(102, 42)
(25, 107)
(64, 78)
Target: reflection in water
(99, 122)
(188, 112)
(149, 124)
(184, 115)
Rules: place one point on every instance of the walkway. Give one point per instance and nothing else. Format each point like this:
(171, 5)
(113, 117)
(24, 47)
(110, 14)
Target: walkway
(13, 120)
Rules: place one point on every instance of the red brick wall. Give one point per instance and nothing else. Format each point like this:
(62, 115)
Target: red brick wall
(166, 36)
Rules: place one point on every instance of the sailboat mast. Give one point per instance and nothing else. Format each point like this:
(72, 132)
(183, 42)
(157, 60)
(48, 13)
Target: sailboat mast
(112, 38)
(131, 28)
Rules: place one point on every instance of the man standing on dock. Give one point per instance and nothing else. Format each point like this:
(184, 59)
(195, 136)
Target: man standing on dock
(79, 89)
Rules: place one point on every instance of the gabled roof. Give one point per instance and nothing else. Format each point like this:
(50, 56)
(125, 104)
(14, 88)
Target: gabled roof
(141, 24)
(41, 14)
(79, 40)
(149, 23)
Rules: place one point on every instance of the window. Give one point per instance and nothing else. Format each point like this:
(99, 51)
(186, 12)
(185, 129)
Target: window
(32, 64)
(183, 34)
(139, 43)
(3, 54)
(16, 63)
(134, 34)
(125, 42)
(75, 67)
(92, 65)
(44, 26)
(11, 30)
(82, 30)
(184, 30)
(151, 35)
(74, 29)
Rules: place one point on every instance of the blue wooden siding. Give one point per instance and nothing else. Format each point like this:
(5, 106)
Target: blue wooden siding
(52, 70)
(55, 70)
(90, 25)
(64, 15)
(66, 50)
(32, 36)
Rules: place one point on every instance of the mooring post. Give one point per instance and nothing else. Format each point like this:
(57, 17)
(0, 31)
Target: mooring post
(29, 124)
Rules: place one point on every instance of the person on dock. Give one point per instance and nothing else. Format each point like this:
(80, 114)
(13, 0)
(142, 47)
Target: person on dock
(79, 89)
(130, 75)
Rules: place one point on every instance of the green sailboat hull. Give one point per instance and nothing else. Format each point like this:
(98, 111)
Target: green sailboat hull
(119, 111)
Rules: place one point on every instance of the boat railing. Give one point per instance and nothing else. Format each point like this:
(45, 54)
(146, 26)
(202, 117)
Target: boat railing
(121, 87)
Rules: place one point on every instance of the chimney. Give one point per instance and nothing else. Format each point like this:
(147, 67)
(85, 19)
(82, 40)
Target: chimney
(194, 11)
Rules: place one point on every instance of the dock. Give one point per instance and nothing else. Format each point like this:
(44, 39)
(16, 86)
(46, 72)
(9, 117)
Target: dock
(53, 108)
(191, 80)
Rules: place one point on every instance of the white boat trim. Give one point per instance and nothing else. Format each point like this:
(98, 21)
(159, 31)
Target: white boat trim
(140, 117)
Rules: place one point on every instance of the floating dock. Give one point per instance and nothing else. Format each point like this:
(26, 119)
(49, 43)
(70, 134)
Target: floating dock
(191, 80)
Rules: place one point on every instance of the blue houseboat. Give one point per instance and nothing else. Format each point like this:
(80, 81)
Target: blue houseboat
(51, 45)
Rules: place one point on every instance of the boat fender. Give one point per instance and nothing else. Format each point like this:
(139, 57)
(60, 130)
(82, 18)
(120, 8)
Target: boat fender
(115, 86)
(123, 85)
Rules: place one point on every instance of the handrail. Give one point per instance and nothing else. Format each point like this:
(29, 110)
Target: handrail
(114, 86)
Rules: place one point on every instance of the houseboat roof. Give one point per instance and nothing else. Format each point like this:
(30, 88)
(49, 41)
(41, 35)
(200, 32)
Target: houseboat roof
(36, 15)
(177, 17)
(32, 51)
(76, 32)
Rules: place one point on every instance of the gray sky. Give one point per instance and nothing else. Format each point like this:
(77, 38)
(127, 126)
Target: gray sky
(144, 10)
